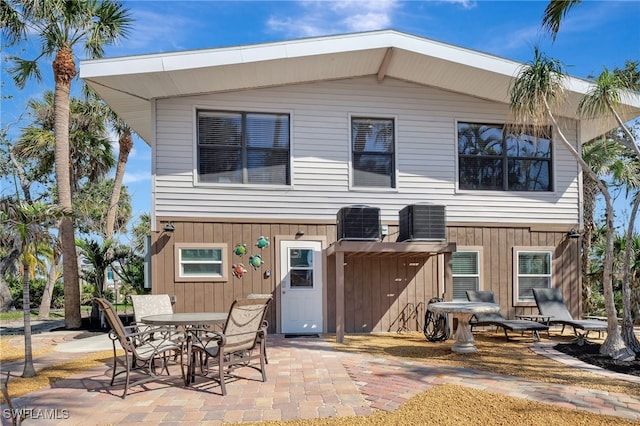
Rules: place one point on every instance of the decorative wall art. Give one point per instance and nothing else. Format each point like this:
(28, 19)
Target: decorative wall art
(240, 249)
(256, 261)
(238, 270)
(263, 242)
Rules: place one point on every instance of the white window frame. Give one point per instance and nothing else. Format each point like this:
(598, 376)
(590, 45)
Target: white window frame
(196, 149)
(478, 251)
(517, 251)
(180, 277)
(352, 185)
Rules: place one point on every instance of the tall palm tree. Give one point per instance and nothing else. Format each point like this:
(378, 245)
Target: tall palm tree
(125, 142)
(61, 26)
(30, 223)
(90, 152)
(604, 98)
(535, 93)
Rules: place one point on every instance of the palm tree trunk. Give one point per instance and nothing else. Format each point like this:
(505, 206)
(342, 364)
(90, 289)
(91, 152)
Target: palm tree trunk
(47, 295)
(64, 71)
(28, 370)
(628, 335)
(590, 192)
(613, 345)
(126, 144)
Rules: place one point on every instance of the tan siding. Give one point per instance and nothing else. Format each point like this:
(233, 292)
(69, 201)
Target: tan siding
(382, 293)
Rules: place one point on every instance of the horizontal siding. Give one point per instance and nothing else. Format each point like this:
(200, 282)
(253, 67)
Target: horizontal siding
(425, 156)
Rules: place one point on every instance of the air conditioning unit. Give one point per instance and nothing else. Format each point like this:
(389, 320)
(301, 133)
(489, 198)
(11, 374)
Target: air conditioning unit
(359, 223)
(422, 222)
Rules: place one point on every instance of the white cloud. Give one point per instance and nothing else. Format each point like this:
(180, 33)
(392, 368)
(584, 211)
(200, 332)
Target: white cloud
(466, 4)
(133, 177)
(329, 17)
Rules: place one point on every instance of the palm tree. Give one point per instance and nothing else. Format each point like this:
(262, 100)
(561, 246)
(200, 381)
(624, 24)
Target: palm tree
(125, 142)
(62, 26)
(534, 94)
(90, 152)
(30, 223)
(554, 13)
(605, 96)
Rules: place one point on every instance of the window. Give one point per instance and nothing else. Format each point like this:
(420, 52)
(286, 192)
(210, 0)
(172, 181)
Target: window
(491, 158)
(465, 266)
(201, 262)
(246, 148)
(373, 145)
(301, 267)
(533, 270)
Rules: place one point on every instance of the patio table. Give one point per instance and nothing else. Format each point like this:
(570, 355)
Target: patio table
(463, 311)
(188, 320)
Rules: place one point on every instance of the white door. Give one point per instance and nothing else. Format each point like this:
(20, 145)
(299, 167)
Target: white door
(301, 286)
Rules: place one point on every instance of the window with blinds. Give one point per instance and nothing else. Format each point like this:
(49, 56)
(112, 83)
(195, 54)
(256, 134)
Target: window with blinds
(373, 152)
(534, 271)
(465, 266)
(245, 148)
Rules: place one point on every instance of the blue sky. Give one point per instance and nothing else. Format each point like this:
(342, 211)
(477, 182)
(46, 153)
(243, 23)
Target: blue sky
(595, 34)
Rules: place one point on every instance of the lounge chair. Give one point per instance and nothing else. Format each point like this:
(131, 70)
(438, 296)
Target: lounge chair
(236, 346)
(498, 320)
(141, 353)
(551, 303)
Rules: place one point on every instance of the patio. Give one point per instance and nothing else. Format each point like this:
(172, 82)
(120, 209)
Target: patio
(307, 378)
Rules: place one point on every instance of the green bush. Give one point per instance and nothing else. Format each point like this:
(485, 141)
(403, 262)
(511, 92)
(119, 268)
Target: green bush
(36, 289)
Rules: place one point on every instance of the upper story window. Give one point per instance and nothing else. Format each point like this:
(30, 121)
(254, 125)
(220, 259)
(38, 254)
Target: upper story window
(491, 158)
(373, 148)
(249, 148)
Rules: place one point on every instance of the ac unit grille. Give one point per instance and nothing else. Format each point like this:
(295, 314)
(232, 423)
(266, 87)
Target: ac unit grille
(359, 223)
(422, 222)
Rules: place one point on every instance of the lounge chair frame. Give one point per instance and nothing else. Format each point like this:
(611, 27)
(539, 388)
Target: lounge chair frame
(496, 319)
(551, 303)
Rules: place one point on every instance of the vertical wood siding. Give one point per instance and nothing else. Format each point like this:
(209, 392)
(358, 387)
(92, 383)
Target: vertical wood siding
(382, 293)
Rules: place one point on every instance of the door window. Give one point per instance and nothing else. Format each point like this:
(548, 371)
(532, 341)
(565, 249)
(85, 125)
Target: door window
(301, 267)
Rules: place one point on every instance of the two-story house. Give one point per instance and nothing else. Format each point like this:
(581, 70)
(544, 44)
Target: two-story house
(259, 150)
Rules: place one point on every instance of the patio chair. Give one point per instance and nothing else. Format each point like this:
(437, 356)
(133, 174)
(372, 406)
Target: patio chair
(550, 302)
(153, 304)
(262, 336)
(236, 346)
(149, 304)
(499, 321)
(143, 354)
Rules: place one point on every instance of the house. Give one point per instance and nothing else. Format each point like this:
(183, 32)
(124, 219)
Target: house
(260, 150)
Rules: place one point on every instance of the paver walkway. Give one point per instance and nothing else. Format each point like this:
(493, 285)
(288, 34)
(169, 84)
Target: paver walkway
(307, 378)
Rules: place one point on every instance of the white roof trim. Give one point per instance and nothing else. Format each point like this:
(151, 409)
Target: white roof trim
(128, 84)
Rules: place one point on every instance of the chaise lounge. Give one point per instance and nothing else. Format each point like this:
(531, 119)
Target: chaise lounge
(496, 319)
(551, 303)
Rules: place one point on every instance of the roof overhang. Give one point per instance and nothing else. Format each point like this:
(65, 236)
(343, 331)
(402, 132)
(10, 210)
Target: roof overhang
(130, 84)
